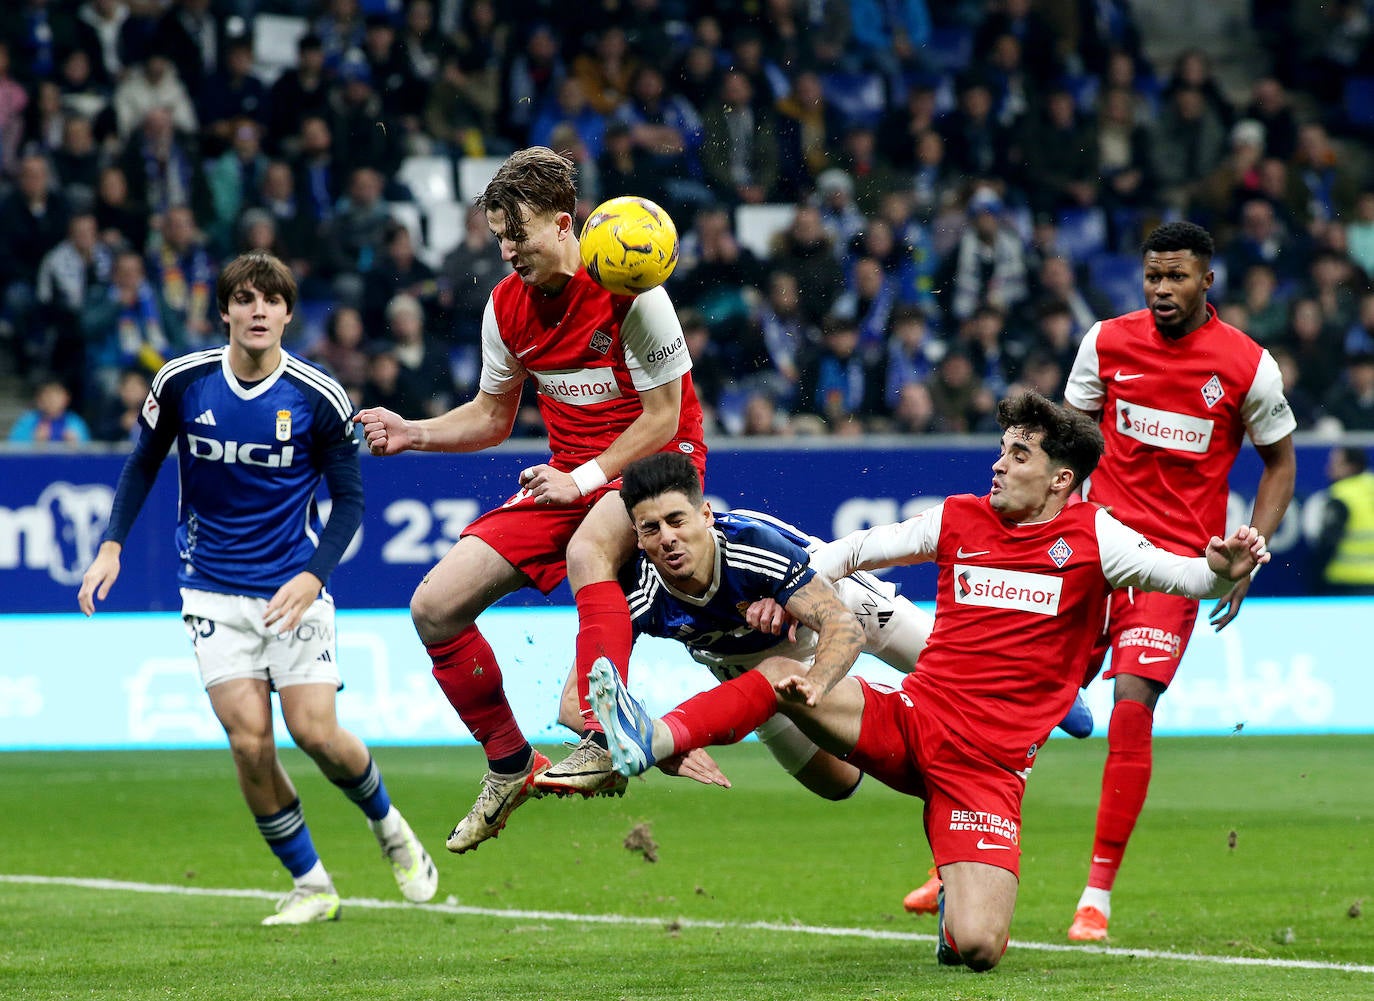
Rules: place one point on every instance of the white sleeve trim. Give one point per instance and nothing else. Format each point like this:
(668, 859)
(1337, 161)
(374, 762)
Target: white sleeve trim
(501, 370)
(1131, 560)
(655, 347)
(911, 541)
(1084, 389)
(1265, 409)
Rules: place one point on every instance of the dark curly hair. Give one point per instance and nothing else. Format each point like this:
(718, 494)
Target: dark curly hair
(1070, 437)
(1179, 236)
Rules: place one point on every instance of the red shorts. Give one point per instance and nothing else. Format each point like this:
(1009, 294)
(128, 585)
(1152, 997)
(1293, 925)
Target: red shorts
(1147, 633)
(973, 804)
(533, 537)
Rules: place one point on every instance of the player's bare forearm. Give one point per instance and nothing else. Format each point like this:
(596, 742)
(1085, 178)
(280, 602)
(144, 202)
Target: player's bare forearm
(648, 432)
(1276, 485)
(839, 637)
(480, 423)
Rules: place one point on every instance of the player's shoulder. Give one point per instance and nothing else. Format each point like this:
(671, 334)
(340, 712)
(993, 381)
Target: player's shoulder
(755, 547)
(318, 384)
(1136, 323)
(746, 519)
(181, 371)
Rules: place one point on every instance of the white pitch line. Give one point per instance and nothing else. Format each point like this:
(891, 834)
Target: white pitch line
(626, 919)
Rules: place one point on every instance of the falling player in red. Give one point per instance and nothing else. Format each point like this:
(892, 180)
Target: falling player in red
(614, 384)
(1022, 588)
(1175, 391)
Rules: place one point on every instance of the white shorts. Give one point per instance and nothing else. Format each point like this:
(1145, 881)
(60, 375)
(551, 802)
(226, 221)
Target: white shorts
(231, 641)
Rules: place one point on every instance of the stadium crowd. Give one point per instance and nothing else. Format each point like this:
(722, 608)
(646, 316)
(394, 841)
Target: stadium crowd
(964, 187)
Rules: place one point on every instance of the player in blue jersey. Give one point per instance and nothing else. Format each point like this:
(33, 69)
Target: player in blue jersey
(256, 431)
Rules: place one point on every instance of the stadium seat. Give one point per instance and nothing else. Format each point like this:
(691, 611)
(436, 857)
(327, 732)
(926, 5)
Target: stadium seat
(409, 215)
(1358, 103)
(1082, 232)
(274, 44)
(429, 178)
(1117, 276)
(756, 225)
(446, 221)
(473, 174)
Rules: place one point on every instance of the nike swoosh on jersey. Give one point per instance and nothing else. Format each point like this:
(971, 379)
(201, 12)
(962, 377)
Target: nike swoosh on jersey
(986, 846)
(521, 354)
(1123, 377)
(1145, 659)
(967, 556)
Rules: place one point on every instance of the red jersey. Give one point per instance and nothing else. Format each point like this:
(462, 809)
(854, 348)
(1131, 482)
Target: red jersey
(1017, 609)
(1174, 415)
(590, 354)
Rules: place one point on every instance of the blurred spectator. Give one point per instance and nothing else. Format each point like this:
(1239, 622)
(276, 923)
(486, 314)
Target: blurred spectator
(1061, 156)
(153, 84)
(1359, 339)
(453, 116)
(301, 91)
(181, 269)
(466, 277)
(868, 304)
(356, 231)
(709, 375)
(960, 402)
(402, 93)
(910, 355)
(1235, 179)
(1106, 27)
(1055, 336)
(77, 163)
(341, 351)
(570, 107)
(162, 170)
(785, 337)
(763, 418)
(482, 42)
(1271, 107)
(697, 75)
(122, 224)
(363, 137)
(936, 183)
(718, 276)
(606, 70)
(623, 170)
(397, 271)
(297, 230)
(1351, 401)
(52, 341)
(1306, 410)
(1359, 231)
(106, 20)
(1343, 551)
(872, 177)
(51, 421)
(38, 33)
(1040, 372)
(340, 30)
(1014, 89)
(319, 180)
(13, 100)
(190, 34)
(33, 219)
(836, 382)
(234, 179)
(384, 380)
(889, 36)
(904, 123)
(531, 79)
(975, 144)
(1125, 161)
(840, 216)
(423, 379)
(989, 260)
(1263, 240)
(1314, 346)
(1326, 175)
(1327, 42)
(1056, 281)
(127, 325)
(85, 92)
(1331, 280)
(117, 420)
(912, 258)
(1033, 33)
(995, 355)
(739, 154)
(1266, 309)
(1189, 143)
(44, 119)
(914, 411)
(421, 42)
(668, 133)
(231, 95)
(806, 249)
(1193, 71)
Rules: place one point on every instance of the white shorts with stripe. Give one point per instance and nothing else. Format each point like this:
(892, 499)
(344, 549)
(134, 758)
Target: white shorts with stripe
(231, 641)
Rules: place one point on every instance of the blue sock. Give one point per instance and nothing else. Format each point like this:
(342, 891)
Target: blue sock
(289, 839)
(368, 791)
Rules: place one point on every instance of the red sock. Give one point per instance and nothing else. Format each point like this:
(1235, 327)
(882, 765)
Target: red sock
(466, 670)
(603, 630)
(1125, 780)
(724, 714)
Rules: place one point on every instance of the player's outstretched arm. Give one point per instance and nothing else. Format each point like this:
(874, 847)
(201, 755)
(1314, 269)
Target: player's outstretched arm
(482, 422)
(839, 637)
(1272, 498)
(99, 577)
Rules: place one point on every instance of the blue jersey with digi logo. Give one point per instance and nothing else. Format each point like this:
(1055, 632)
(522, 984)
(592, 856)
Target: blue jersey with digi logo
(755, 558)
(251, 457)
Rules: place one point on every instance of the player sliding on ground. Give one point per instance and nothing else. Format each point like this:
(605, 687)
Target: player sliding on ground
(1022, 589)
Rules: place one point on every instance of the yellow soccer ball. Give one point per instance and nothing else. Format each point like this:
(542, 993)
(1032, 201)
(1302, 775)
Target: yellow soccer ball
(629, 245)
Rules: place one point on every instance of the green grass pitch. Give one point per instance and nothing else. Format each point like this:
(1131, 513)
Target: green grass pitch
(110, 863)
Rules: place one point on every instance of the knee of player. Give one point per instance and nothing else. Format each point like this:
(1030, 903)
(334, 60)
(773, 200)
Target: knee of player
(252, 751)
(428, 612)
(980, 946)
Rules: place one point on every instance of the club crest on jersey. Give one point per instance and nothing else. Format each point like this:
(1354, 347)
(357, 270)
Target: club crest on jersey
(1212, 391)
(1060, 553)
(283, 425)
(600, 342)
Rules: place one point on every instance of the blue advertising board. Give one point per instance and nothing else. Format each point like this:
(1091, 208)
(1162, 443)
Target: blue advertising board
(53, 509)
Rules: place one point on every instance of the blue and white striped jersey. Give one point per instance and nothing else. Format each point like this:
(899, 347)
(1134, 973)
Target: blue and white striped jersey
(251, 458)
(755, 558)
